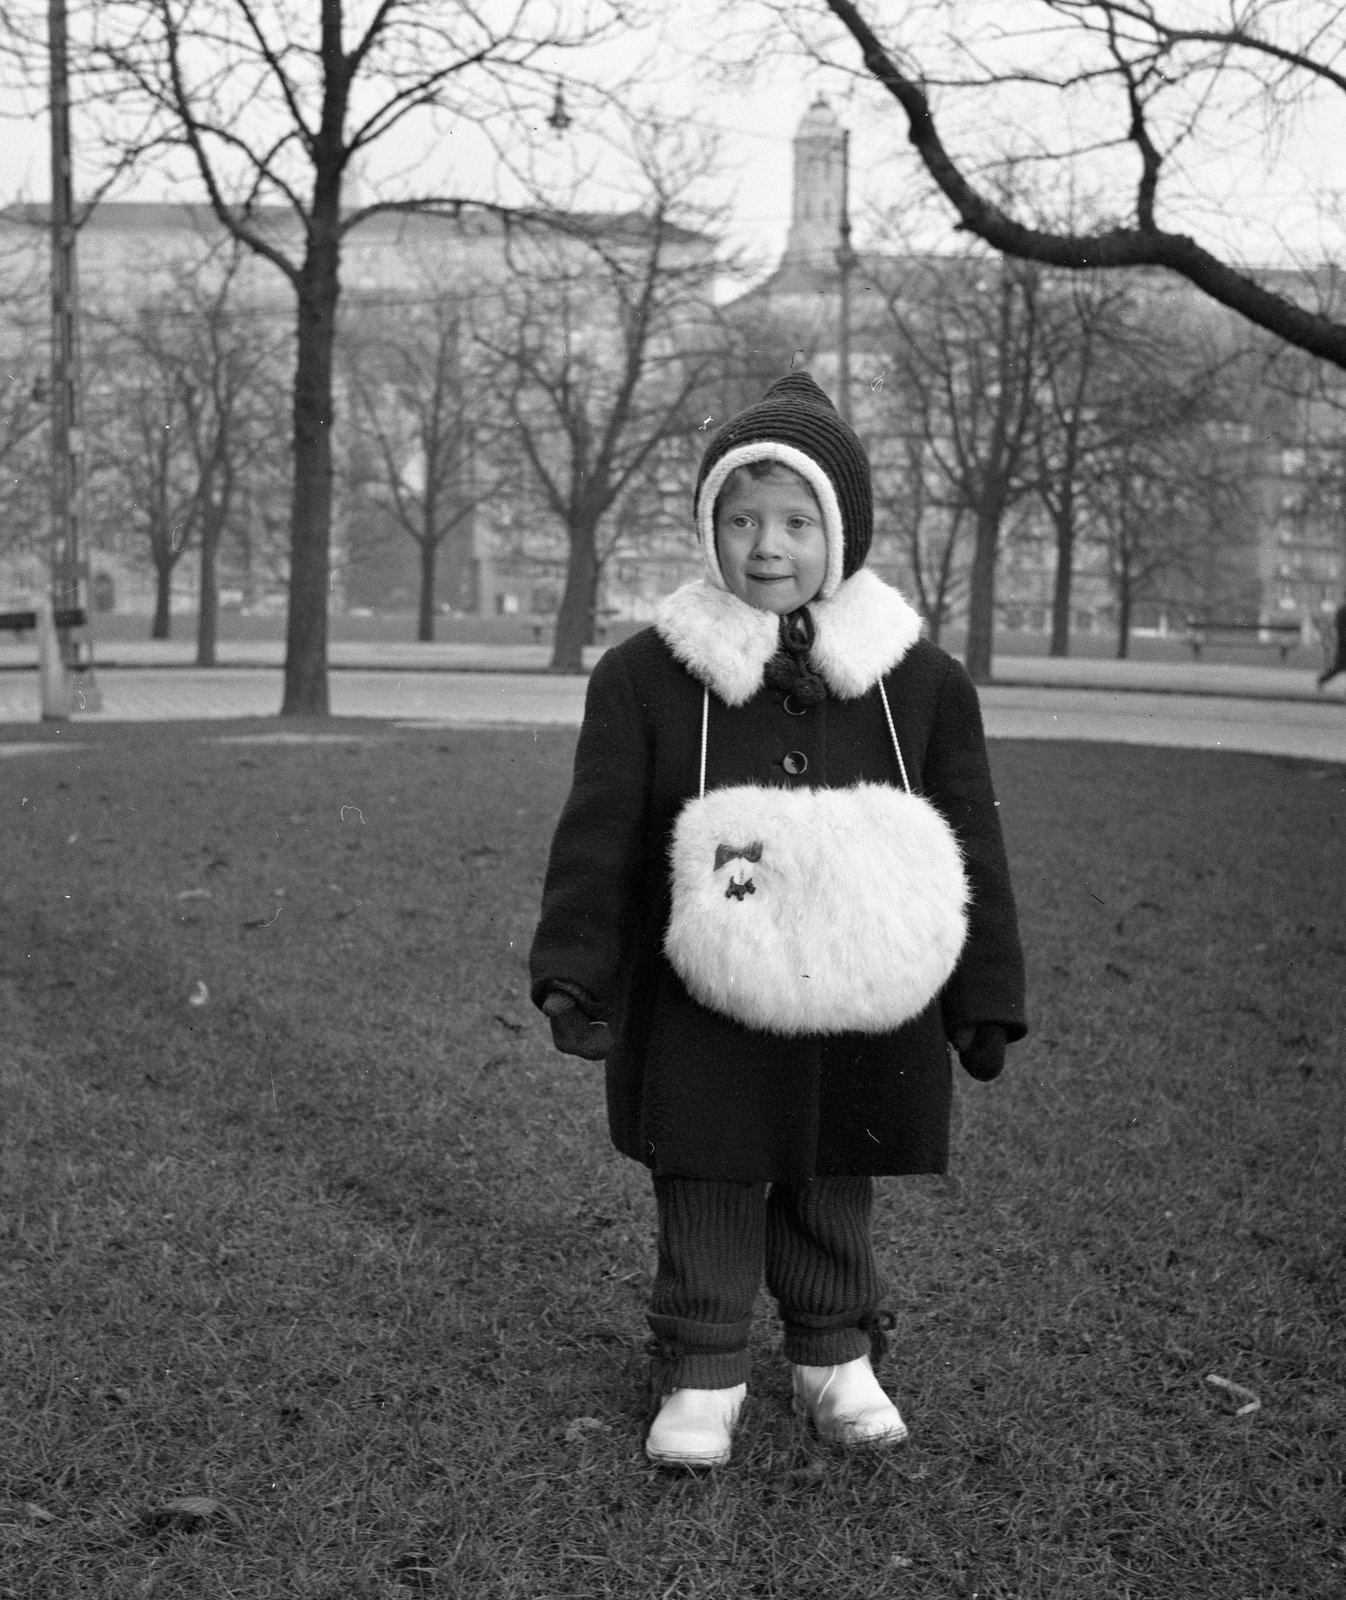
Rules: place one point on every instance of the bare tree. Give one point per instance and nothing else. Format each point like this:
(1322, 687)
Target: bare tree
(1303, 416)
(183, 407)
(920, 520)
(1167, 509)
(933, 528)
(1115, 366)
(259, 533)
(1073, 348)
(273, 101)
(1131, 49)
(605, 340)
(24, 336)
(141, 459)
(418, 388)
(960, 338)
(231, 401)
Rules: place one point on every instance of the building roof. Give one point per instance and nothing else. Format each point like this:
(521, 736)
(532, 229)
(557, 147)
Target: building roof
(819, 121)
(165, 216)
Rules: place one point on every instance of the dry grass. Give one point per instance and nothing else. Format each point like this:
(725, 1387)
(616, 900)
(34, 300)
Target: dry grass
(345, 1250)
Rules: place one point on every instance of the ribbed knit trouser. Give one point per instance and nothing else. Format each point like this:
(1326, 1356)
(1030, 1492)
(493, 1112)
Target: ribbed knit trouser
(714, 1241)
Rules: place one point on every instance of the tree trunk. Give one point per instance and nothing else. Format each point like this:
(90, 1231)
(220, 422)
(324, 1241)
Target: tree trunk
(942, 605)
(243, 535)
(425, 630)
(208, 603)
(1123, 612)
(311, 506)
(1065, 573)
(575, 620)
(938, 613)
(981, 597)
(163, 585)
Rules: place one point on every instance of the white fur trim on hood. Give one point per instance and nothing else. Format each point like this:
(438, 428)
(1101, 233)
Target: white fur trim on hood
(862, 631)
(824, 492)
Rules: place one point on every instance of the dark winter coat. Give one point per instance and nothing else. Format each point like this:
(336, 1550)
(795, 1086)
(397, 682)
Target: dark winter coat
(690, 1092)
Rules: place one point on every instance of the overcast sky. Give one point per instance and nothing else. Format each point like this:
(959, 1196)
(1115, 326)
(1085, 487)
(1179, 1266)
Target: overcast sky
(1256, 209)
(755, 127)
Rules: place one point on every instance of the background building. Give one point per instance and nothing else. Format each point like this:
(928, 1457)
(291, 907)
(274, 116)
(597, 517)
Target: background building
(1275, 445)
(1265, 468)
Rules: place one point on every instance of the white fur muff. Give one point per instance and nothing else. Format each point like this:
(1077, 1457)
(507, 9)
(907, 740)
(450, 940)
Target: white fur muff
(855, 918)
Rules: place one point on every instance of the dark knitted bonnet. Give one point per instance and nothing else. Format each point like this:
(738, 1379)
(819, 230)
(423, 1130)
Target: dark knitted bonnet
(796, 424)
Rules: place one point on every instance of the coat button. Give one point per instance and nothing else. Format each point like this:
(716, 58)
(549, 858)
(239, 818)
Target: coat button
(795, 763)
(793, 707)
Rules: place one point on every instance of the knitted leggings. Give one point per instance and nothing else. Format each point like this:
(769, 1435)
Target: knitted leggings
(715, 1238)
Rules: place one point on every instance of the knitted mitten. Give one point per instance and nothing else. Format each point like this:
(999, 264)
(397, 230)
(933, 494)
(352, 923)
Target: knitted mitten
(983, 1055)
(572, 1032)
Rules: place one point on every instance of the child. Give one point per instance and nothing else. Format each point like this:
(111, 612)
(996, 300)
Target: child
(778, 669)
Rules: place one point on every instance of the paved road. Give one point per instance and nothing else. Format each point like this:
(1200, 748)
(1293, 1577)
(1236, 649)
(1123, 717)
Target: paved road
(1314, 729)
(1248, 676)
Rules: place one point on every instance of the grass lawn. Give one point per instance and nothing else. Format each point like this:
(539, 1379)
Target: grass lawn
(302, 1218)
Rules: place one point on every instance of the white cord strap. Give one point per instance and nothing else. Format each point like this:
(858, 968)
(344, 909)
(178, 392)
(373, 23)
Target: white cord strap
(888, 715)
(897, 748)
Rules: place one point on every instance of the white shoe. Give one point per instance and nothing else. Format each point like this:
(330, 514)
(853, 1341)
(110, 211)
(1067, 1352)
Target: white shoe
(846, 1404)
(695, 1427)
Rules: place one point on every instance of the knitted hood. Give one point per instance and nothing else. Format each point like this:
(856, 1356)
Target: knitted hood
(795, 424)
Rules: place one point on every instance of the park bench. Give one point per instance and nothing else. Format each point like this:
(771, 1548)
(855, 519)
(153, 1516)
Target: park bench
(1282, 636)
(64, 686)
(21, 622)
(545, 628)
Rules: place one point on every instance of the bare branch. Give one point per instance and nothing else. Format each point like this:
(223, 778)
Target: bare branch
(182, 105)
(278, 71)
(1237, 37)
(424, 92)
(356, 58)
(1139, 134)
(1145, 245)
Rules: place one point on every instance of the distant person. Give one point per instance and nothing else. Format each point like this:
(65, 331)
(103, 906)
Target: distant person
(1339, 658)
(769, 937)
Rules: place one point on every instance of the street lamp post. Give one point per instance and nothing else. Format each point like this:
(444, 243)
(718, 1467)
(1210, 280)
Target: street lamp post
(846, 261)
(69, 569)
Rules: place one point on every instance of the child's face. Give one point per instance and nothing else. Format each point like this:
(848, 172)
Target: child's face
(770, 539)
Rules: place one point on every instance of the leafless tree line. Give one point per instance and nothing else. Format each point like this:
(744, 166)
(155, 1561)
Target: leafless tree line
(560, 405)
(271, 104)
(545, 403)
(1009, 403)
(541, 399)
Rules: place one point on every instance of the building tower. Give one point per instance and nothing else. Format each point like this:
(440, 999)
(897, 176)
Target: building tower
(815, 215)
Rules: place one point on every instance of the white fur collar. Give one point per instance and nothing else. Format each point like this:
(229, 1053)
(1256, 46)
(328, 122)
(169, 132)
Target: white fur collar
(863, 631)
